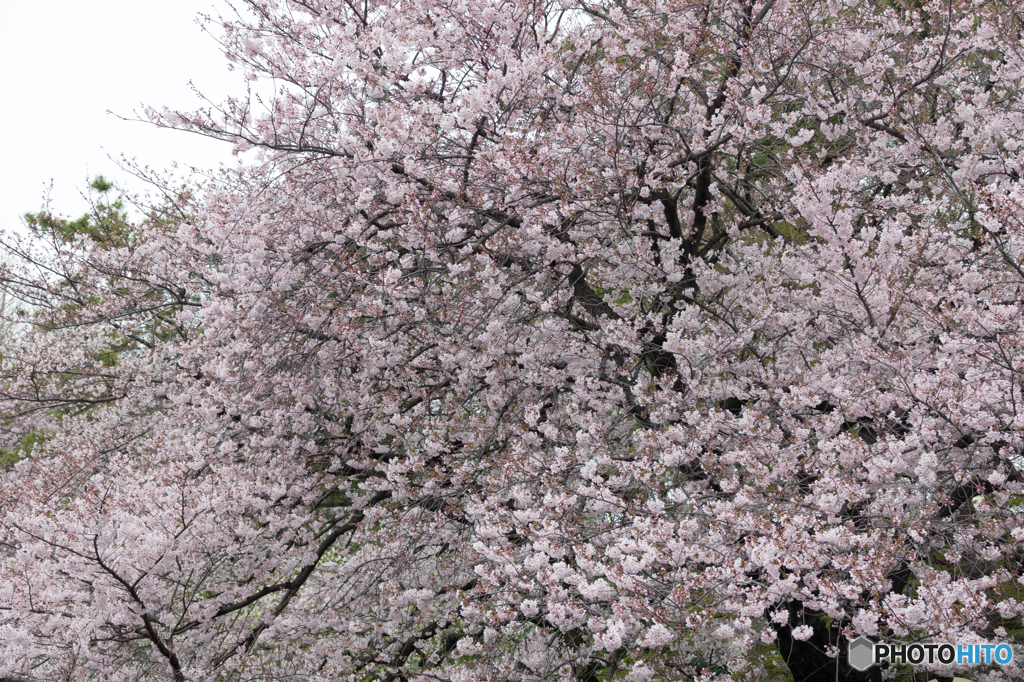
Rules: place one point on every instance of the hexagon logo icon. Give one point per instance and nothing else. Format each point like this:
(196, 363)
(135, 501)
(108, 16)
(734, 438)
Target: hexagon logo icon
(861, 654)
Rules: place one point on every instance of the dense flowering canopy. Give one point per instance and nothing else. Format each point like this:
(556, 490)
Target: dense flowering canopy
(546, 340)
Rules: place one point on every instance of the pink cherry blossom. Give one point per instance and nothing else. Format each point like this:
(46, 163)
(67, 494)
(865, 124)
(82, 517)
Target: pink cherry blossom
(537, 341)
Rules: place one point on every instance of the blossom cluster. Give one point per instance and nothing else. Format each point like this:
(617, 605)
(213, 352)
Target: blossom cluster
(539, 340)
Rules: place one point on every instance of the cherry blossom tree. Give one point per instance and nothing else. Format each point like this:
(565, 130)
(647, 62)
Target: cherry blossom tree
(540, 340)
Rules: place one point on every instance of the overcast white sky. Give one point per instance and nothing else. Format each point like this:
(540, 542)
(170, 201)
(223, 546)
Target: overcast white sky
(68, 62)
